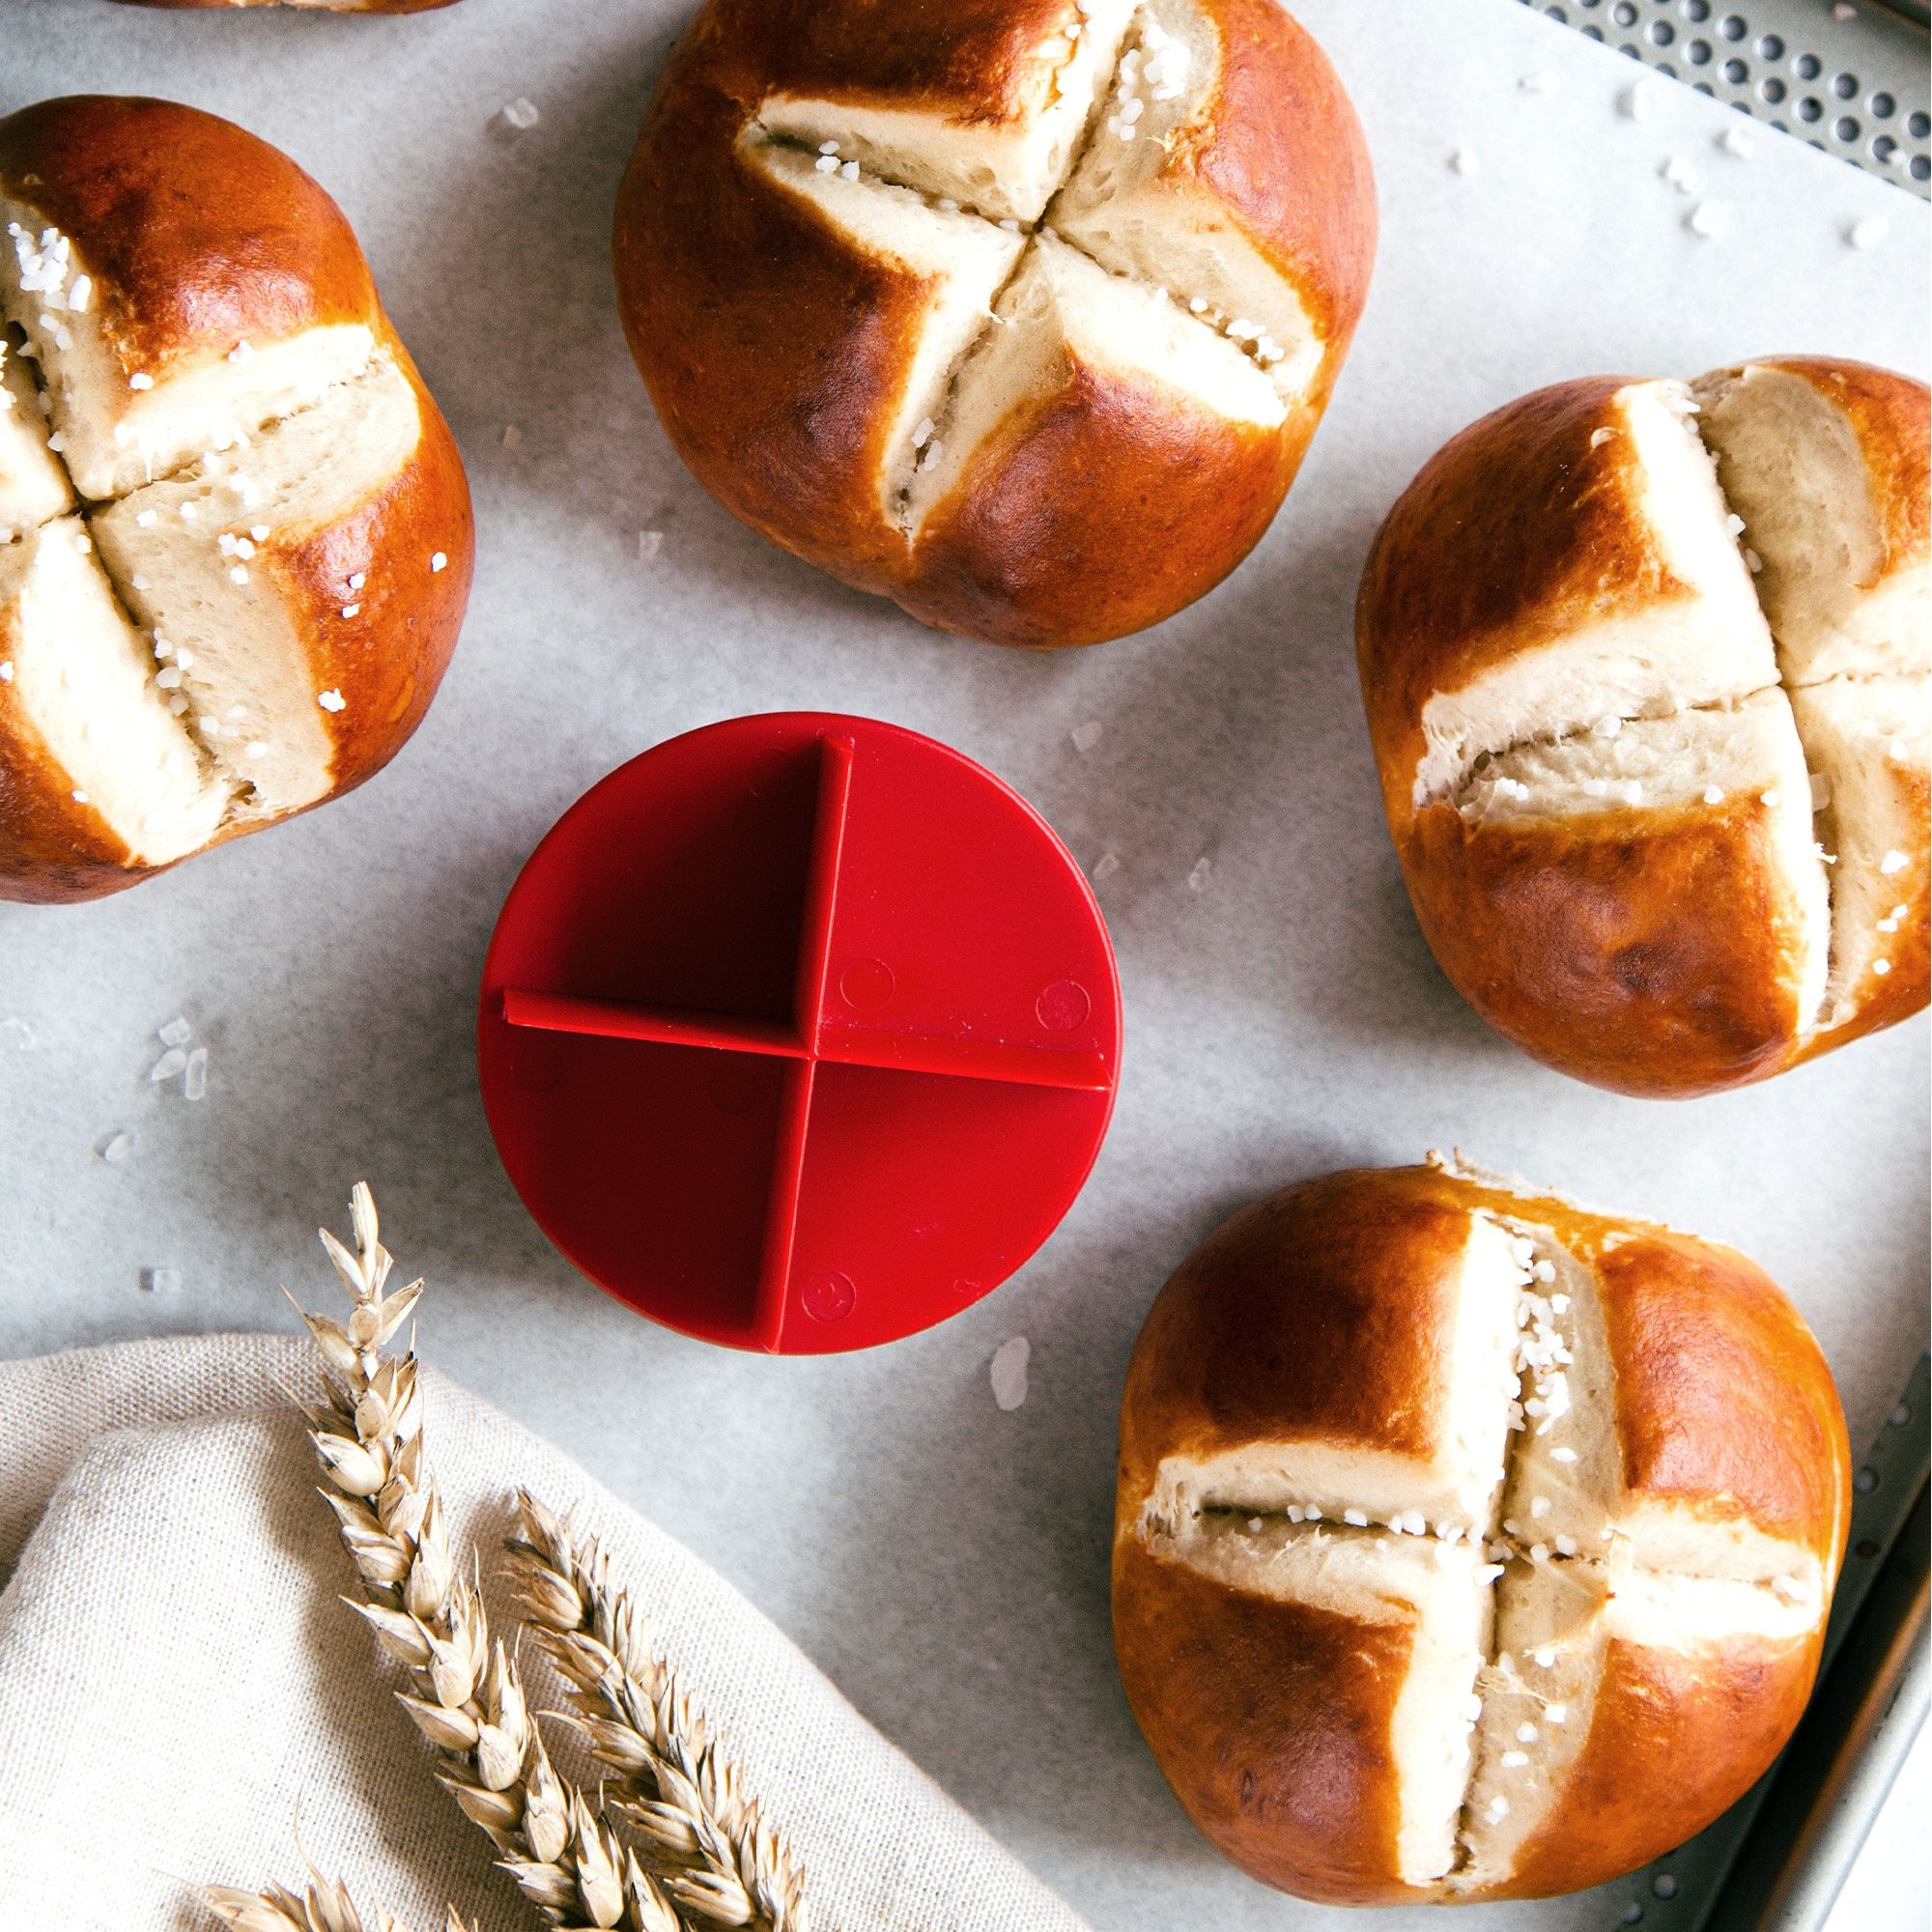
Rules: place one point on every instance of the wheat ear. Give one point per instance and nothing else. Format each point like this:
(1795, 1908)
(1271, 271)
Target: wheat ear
(465, 1695)
(325, 1907)
(705, 1839)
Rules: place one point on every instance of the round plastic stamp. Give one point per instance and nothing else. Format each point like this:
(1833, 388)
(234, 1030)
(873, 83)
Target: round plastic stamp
(800, 1032)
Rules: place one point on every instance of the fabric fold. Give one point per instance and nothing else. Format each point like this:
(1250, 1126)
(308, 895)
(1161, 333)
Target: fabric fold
(179, 1677)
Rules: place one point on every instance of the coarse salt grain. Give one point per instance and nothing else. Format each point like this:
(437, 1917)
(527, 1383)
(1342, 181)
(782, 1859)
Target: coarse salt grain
(1870, 232)
(1881, 967)
(79, 797)
(141, 382)
(255, 748)
(145, 519)
(194, 1075)
(238, 574)
(1197, 879)
(1357, 1518)
(1086, 736)
(1514, 1760)
(115, 1148)
(162, 1280)
(1707, 218)
(1463, 160)
(331, 700)
(1008, 1372)
(1636, 102)
(167, 1065)
(1565, 1454)
(1735, 141)
(1894, 860)
(352, 610)
(1107, 864)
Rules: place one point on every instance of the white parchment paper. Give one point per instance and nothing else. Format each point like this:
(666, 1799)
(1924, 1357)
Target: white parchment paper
(944, 1559)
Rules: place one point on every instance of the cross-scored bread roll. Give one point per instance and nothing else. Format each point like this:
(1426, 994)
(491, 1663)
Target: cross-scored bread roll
(1019, 312)
(1469, 1544)
(234, 533)
(1648, 672)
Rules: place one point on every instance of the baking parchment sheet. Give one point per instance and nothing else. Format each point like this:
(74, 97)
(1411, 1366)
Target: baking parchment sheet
(943, 1558)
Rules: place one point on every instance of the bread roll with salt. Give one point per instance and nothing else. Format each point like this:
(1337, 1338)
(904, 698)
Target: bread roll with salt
(235, 534)
(1469, 1544)
(1019, 312)
(1648, 672)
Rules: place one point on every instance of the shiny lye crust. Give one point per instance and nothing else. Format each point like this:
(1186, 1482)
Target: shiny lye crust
(814, 360)
(162, 259)
(1281, 1648)
(1617, 920)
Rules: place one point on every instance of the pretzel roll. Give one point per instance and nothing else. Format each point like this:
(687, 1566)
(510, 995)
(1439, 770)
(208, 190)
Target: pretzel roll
(1646, 671)
(235, 534)
(1019, 312)
(1469, 1544)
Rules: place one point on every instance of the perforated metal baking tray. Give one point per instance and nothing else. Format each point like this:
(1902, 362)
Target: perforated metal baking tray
(1850, 77)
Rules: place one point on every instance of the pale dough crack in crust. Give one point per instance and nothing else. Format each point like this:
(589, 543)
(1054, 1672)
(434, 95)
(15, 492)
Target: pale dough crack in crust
(1513, 1558)
(234, 533)
(1771, 688)
(1050, 246)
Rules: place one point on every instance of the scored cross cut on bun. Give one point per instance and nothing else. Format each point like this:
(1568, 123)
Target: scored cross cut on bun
(235, 538)
(1019, 312)
(1468, 1543)
(1648, 673)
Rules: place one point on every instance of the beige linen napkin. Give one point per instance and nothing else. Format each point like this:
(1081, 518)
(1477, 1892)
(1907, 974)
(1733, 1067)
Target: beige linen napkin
(177, 1673)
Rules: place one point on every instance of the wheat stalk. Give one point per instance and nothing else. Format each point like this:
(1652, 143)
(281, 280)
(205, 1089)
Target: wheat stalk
(705, 1841)
(326, 1907)
(465, 1695)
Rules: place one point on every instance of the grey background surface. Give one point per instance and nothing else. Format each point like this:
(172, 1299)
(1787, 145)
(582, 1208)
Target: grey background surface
(943, 1560)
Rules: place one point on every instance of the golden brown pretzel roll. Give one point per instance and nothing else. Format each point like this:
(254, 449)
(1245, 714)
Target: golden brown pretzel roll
(235, 538)
(1019, 312)
(1648, 672)
(1469, 1544)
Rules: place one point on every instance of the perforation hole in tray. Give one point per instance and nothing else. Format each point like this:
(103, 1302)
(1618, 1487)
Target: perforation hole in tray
(1856, 87)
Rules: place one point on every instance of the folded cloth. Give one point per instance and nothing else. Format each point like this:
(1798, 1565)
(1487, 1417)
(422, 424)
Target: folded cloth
(178, 1678)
